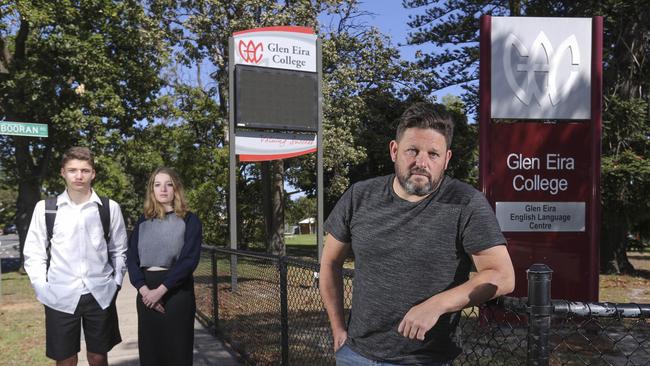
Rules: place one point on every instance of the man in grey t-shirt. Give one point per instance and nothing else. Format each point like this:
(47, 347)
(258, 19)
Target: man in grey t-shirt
(414, 235)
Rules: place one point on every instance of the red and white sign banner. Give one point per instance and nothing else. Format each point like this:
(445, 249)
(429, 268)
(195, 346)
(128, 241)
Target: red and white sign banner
(264, 146)
(287, 47)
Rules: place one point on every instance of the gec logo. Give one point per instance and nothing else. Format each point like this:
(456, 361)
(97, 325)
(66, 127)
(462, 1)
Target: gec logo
(250, 52)
(542, 64)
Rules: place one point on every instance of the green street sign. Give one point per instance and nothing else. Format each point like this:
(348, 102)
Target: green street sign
(23, 129)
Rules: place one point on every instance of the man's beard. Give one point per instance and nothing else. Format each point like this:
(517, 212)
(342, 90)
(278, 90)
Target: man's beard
(417, 189)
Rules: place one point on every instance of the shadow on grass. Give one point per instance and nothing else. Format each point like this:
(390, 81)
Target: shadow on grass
(643, 273)
(302, 250)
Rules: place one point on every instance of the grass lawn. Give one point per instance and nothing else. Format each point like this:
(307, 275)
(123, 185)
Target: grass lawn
(626, 288)
(303, 239)
(22, 323)
(22, 328)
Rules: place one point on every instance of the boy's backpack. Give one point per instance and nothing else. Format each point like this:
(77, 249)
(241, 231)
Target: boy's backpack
(50, 216)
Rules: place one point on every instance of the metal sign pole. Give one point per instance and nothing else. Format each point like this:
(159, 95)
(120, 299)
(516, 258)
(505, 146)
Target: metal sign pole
(232, 166)
(319, 152)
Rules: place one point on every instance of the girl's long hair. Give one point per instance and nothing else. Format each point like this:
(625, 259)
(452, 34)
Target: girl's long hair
(153, 208)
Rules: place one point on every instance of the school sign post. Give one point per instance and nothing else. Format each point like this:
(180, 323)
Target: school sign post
(275, 105)
(540, 132)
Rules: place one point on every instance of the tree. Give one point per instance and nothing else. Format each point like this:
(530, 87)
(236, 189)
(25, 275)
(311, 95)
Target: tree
(7, 206)
(625, 185)
(464, 161)
(452, 27)
(88, 69)
(300, 209)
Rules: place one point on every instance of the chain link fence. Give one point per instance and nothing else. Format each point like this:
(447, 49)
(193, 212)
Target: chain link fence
(269, 309)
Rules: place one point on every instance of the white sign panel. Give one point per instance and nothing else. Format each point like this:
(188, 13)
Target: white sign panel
(289, 48)
(541, 216)
(263, 146)
(541, 68)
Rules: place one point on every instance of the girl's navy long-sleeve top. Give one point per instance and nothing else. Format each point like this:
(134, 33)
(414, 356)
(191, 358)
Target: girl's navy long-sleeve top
(171, 242)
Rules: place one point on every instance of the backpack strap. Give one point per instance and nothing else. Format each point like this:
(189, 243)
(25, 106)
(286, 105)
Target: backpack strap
(105, 216)
(50, 216)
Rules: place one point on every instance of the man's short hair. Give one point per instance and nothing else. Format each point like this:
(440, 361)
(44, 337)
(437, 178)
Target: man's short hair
(78, 153)
(427, 115)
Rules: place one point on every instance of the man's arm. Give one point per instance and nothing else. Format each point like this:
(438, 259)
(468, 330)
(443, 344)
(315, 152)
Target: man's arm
(495, 277)
(331, 286)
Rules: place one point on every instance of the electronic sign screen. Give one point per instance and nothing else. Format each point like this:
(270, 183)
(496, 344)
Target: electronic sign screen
(276, 99)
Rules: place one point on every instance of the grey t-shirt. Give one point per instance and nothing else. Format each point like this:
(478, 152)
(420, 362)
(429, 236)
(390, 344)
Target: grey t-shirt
(406, 252)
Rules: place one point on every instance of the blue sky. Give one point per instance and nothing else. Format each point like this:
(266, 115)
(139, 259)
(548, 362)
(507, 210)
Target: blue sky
(391, 18)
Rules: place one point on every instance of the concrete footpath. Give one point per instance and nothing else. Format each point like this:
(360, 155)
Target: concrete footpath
(208, 350)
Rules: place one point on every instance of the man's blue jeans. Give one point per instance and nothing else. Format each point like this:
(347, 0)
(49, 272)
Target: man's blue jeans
(345, 356)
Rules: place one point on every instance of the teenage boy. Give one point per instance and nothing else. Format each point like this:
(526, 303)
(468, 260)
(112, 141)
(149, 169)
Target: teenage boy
(77, 266)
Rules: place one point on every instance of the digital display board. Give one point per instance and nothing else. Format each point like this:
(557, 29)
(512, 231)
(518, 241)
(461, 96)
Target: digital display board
(276, 99)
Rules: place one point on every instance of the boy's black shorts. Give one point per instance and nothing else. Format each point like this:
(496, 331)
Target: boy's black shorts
(63, 330)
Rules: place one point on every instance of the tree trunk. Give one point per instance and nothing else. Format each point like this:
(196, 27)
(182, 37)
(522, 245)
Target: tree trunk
(275, 241)
(29, 190)
(613, 254)
(28, 196)
(624, 265)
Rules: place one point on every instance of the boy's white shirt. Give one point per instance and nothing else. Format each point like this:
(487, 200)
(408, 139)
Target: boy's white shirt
(78, 251)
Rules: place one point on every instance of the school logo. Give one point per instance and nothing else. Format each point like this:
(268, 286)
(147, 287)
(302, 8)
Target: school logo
(250, 52)
(536, 78)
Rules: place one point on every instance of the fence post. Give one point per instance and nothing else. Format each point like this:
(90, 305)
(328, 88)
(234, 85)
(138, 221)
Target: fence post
(233, 273)
(539, 316)
(215, 291)
(284, 310)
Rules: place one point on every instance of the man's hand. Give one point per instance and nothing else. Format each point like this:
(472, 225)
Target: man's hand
(419, 320)
(339, 339)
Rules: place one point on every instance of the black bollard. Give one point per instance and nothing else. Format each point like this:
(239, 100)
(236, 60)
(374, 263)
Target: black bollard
(539, 314)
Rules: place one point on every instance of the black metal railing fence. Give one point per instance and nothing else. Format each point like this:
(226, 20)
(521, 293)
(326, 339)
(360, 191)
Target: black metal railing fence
(269, 309)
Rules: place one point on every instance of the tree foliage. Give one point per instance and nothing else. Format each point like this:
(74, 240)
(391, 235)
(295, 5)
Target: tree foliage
(88, 69)
(300, 209)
